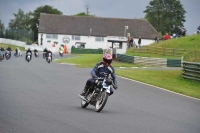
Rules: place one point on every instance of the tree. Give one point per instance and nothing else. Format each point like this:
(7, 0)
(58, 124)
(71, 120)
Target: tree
(21, 21)
(87, 13)
(82, 14)
(2, 28)
(87, 8)
(165, 15)
(36, 15)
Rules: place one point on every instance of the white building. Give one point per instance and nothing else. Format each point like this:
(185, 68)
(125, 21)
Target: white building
(92, 32)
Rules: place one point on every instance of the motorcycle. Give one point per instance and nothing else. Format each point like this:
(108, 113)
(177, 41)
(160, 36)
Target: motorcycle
(1, 55)
(61, 53)
(48, 58)
(36, 54)
(44, 55)
(28, 58)
(19, 54)
(97, 95)
(7, 54)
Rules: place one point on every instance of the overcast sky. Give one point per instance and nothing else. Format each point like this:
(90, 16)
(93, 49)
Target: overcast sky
(104, 8)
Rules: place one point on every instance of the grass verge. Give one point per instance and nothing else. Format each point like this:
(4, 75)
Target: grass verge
(13, 47)
(167, 79)
(90, 60)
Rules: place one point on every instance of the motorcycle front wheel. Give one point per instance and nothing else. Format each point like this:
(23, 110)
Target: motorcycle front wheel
(101, 101)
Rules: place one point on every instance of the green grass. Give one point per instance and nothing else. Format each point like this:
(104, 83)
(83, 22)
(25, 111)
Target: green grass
(187, 43)
(13, 47)
(90, 60)
(167, 79)
(193, 56)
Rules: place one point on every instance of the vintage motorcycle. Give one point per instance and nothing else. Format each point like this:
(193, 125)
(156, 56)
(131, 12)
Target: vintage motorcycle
(61, 53)
(48, 58)
(44, 55)
(1, 55)
(28, 58)
(97, 95)
(7, 54)
(36, 54)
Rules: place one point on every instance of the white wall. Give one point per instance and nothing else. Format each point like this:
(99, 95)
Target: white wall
(89, 40)
(13, 42)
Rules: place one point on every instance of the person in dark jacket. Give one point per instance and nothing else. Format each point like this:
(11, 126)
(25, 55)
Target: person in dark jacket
(102, 69)
(2, 50)
(27, 53)
(44, 52)
(139, 42)
(35, 52)
(10, 50)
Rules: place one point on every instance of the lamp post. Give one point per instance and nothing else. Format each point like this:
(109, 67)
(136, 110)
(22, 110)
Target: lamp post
(126, 28)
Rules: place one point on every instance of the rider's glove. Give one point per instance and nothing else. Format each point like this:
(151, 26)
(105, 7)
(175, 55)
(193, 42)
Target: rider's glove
(115, 87)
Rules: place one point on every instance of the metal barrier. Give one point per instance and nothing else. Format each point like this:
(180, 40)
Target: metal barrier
(86, 51)
(191, 70)
(147, 61)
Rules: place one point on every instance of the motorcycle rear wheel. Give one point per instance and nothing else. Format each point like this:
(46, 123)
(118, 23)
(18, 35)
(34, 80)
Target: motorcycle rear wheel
(101, 102)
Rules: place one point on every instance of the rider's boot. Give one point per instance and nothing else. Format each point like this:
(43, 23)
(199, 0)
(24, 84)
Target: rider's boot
(84, 90)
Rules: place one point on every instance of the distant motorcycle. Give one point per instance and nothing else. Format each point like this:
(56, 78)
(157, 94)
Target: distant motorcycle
(7, 54)
(61, 53)
(28, 58)
(1, 55)
(44, 55)
(48, 58)
(19, 54)
(36, 54)
(97, 95)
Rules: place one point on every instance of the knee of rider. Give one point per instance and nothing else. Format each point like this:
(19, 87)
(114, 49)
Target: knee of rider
(88, 83)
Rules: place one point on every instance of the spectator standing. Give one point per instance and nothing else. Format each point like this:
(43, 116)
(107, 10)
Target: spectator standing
(128, 42)
(167, 36)
(139, 42)
(156, 39)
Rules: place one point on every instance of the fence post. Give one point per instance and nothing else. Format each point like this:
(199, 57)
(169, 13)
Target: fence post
(181, 61)
(163, 51)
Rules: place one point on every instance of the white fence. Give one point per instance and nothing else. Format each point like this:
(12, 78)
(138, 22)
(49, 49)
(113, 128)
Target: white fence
(20, 43)
(13, 42)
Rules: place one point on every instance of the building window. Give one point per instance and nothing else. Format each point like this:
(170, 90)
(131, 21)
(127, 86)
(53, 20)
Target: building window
(48, 36)
(52, 36)
(76, 37)
(99, 39)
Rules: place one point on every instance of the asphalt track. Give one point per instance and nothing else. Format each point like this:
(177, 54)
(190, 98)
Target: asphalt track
(38, 97)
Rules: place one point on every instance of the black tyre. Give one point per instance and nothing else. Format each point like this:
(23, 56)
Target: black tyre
(101, 101)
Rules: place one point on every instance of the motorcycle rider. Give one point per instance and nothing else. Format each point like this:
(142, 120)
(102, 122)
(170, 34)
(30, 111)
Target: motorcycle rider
(9, 49)
(60, 50)
(35, 51)
(47, 53)
(101, 69)
(27, 53)
(16, 51)
(2, 50)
